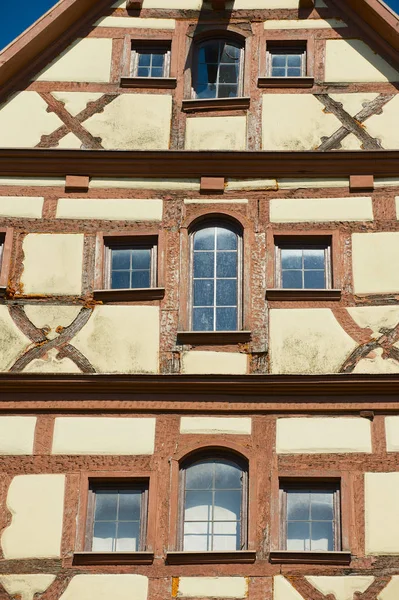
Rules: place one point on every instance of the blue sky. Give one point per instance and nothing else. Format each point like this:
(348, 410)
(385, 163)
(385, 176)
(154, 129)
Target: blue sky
(15, 16)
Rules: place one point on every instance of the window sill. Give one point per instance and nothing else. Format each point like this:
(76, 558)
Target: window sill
(291, 294)
(127, 295)
(198, 105)
(320, 558)
(213, 337)
(285, 82)
(113, 558)
(209, 558)
(167, 83)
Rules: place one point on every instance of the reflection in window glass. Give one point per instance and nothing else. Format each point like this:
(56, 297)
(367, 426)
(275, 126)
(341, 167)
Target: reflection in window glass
(150, 62)
(130, 268)
(304, 268)
(215, 280)
(213, 506)
(218, 70)
(287, 64)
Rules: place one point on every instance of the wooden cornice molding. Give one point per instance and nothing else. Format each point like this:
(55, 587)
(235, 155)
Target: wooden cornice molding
(288, 386)
(187, 163)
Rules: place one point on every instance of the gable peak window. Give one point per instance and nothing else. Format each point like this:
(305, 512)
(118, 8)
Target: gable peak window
(218, 69)
(150, 61)
(286, 61)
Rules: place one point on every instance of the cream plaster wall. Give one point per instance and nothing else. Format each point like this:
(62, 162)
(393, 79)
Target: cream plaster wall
(33, 181)
(385, 125)
(391, 592)
(24, 587)
(392, 433)
(376, 363)
(307, 341)
(215, 587)
(17, 435)
(63, 256)
(145, 184)
(381, 512)
(50, 317)
(76, 102)
(115, 209)
(136, 23)
(281, 128)
(217, 363)
(305, 24)
(321, 210)
(105, 587)
(70, 141)
(353, 60)
(86, 60)
(21, 206)
(297, 184)
(103, 435)
(342, 588)
(51, 363)
(24, 119)
(216, 133)
(229, 425)
(251, 184)
(381, 182)
(283, 590)
(354, 103)
(121, 339)
(134, 122)
(373, 255)
(36, 503)
(377, 318)
(323, 435)
(12, 340)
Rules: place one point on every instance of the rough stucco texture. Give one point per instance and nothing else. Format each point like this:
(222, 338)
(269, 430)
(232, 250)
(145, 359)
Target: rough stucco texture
(12, 340)
(36, 503)
(307, 341)
(384, 125)
(17, 435)
(381, 511)
(215, 587)
(134, 122)
(321, 210)
(216, 363)
(104, 587)
(323, 435)
(26, 586)
(216, 133)
(63, 256)
(121, 339)
(96, 435)
(343, 588)
(353, 60)
(118, 209)
(373, 255)
(229, 425)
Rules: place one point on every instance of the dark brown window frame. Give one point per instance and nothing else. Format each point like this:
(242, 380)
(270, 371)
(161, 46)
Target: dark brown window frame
(6, 238)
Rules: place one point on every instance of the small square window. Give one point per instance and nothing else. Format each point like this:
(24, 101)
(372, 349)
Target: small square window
(286, 61)
(116, 517)
(151, 61)
(130, 265)
(310, 517)
(303, 266)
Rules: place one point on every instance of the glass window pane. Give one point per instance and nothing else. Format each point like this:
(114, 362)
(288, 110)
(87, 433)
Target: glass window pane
(226, 239)
(143, 72)
(226, 292)
(227, 505)
(298, 505)
(226, 536)
(204, 264)
(227, 476)
(129, 505)
(200, 476)
(230, 53)
(314, 280)
(298, 537)
(292, 280)
(120, 280)
(204, 239)
(294, 60)
(226, 264)
(158, 60)
(322, 536)
(121, 259)
(141, 279)
(198, 506)
(228, 74)
(279, 60)
(227, 90)
(128, 539)
(197, 536)
(203, 319)
(211, 52)
(294, 72)
(141, 258)
(106, 506)
(203, 292)
(278, 72)
(291, 258)
(322, 506)
(157, 72)
(313, 258)
(104, 537)
(226, 319)
(144, 59)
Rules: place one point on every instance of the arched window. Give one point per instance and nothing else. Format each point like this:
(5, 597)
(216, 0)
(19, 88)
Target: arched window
(216, 278)
(214, 505)
(218, 69)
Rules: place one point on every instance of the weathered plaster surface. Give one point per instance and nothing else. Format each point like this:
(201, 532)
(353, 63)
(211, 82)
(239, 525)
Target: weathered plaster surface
(251, 184)
(377, 364)
(63, 256)
(52, 364)
(373, 255)
(104, 587)
(385, 125)
(146, 184)
(343, 588)
(216, 133)
(376, 318)
(18, 206)
(354, 103)
(307, 341)
(33, 181)
(215, 587)
(136, 22)
(24, 119)
(281, 128)
(353, 60)
(391, 592)
(24, 586)
(103, 435)
(51, 316)
(392, 433)
(75, 102)
(305, 24)
(121, 339)
(297, 184)
(229, 425)
(116, 209)
(323, 435)
(321, 210)
(36, 503)
(12, 340)
(17, 435)
(86, 60)
(283, 590)
(134, 122)
(381, 509)
(221, 363)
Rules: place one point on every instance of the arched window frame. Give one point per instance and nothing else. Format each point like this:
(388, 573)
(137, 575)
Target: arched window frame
(237, 228)
(214, 455)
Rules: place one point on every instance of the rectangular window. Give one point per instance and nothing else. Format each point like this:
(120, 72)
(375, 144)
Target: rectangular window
(310, 517)
(116, 517)
(150, 61)
(129, 265)
(305, 266)
(286, 61)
